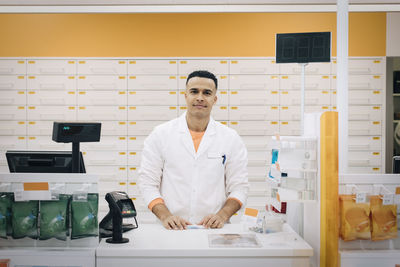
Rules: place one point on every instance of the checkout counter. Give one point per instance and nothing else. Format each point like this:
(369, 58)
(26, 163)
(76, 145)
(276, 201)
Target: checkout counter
(153, 245)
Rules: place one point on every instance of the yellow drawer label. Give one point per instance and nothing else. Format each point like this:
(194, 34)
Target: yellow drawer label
(132, 138)
(132, 62)
(21, 62)
(82, 62)
(31, 62)
(224, 122)
(183, 62)
(223, 107)
(375, 169)
(122, 168)
(172, 62)
(21, 122)
(377, 61)
(31, 77)
(132, 93)
(376, 122)
(71, 62)
(21, 77)
(377, 92)
(376, 138)
(72, 108)
(274, 122)
(223, 92)
(122, 108)
(377, 107)
(223, 77)
(132, 183)
(32, 138)
(71, 92)
(132, 77)
(376, 153)
(325, 77)
(172, 77)
(122, 183)
(71, 77)
(132, 108)
(122, 92)
(82, 77)
(223, 61)
(377, 77)
(274, 107)
(234, 93)
(285, 122)
(32, 122)
(121, 77)
(121, 62)
(234, 62)
(122, 123)
(172, 93)
(82, 107)
(122, 138)
(132, 153)
(183, 77)
(183, 107)
(82, 93)
(122, 153)
(285, 107)
(21, 92)
(132, 168)
(234, 107)
(285, 77)
(274, 92)
(21, 138)
(234, 123)
(274, 77)
(172, 107)
(132, 123)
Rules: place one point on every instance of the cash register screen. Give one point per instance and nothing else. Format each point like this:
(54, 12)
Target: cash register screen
(126, 207)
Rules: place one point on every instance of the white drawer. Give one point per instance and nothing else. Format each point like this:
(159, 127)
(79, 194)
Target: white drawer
(102, 67)
(51, 113)
(255, 127)
(255, 113)
(109, 186)
(105, 158)
(312, 82)
(363, 82)
(13, 97)
(258, 158)
(51, 66)
(133, 190)
(290, 128)
(108, 173)
(365, 97)
(253, 66)
(137, 113)
(223, 98)
(12, 113)
(365, 113)
(223, 82)
(51, 98)
(35, 128)
(363, 143)
(13, 128)
(12, 66)
(156, 98)
(134, 158)
(153, 82)
(51, 82)
(142, 127)
(363, 66)
(102, 98)
(252, 97)
(107, 143)
(133, 173)
(12, 82)
(102, 113)
(118, 128)
(212, 65)
(365, 128)
(375, 169)
(102, 82)
(254, 82)
(152, 67)
(136, 142)
(256, 142)
(46, 143)
(290, 113)
(312, 97)
(257, 173)
(364, 158)
(313, 68)
(12, 143)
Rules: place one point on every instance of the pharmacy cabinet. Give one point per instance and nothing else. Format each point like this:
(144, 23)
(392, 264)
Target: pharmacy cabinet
(12, 66)
(144, 113)
(311, 69)
(365, 113)
(253, 97)
(363, 66)
(312, 97)
(152, 98)
(16, 128)
(12, 113)
(363, 97)
(136, 142)
(13, 97)
(118, 143)
(51, 113)
(255, 127)
(253, 66)
(363, 82)
(105, 158)
(102, 113)
(116, 128)
(216, 66)
(51, 82)
(254, 82)
(45, 142)
(152, 82)
(102, 67)
(365, 128)
(102, 98)
(12, 82)
(253, 113)
(256, 142)
(143, 128)
(51, 66)
(365, 143)
(153, 67)
(102, 82)
(108, 173)
(312, 82)
(51, 98)
(12, 142)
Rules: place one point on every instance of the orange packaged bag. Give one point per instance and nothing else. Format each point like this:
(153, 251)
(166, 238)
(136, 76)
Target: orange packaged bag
(384, 219)
(354, 219)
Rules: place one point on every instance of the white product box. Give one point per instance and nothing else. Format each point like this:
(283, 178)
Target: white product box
(251, 66)
(149, 98)
(12, 97)
(51, 66)
(51, 98)
(152, 82)
(51, 113)
(102, 82)
(153, 67)
(254, 82)
(102, 67)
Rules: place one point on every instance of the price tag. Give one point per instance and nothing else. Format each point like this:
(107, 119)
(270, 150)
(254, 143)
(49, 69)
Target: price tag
(361, 197)
(388, 199)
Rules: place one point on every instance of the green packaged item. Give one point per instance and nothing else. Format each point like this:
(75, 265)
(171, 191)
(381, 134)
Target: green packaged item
(54, 219)
(24, 219)
(6, 200)
(84, 217)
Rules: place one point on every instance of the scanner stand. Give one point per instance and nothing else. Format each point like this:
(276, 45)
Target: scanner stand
(117, 230)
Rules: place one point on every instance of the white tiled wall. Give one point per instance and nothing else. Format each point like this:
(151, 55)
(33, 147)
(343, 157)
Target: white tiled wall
(256, 97)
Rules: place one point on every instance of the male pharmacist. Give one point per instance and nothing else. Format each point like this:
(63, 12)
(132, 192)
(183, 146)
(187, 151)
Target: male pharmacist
(194, 169)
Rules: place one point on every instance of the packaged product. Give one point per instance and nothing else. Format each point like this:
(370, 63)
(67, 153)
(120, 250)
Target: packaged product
(54, 218)
(354, 219)
(84, 217)
(384, 219)
(6, 200)
(24, 219)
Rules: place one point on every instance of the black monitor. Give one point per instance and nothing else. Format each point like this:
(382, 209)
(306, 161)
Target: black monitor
(303, 47)
(42, 161)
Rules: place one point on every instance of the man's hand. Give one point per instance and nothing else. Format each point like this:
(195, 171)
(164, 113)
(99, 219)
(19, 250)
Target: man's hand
(213, 221)
(174, 222)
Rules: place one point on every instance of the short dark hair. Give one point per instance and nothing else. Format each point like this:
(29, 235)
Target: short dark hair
(203, 74)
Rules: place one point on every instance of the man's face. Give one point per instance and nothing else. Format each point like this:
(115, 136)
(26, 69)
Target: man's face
(200, 96)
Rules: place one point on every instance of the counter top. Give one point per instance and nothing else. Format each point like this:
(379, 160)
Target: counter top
(153, 240)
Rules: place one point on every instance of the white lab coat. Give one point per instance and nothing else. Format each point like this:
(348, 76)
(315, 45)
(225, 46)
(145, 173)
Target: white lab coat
(192, 184)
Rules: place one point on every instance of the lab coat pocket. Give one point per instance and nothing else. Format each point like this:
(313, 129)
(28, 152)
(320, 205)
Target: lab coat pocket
(216, 162)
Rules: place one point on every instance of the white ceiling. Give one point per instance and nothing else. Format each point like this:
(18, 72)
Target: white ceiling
(186, 2)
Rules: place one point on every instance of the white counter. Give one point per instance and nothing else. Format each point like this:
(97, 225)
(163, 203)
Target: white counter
(153, 245)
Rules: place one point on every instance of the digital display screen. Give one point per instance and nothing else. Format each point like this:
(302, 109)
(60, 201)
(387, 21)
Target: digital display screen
(72, 130)
(303, 47)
